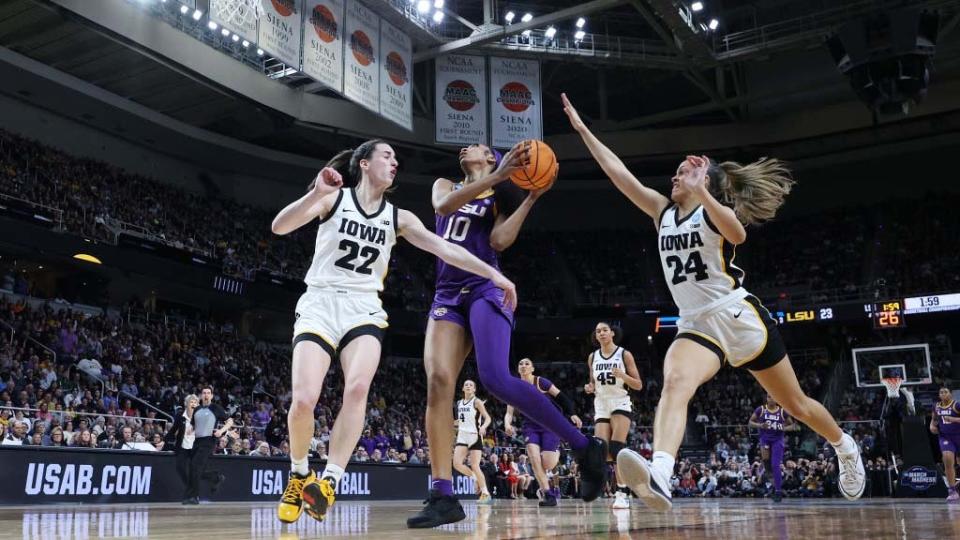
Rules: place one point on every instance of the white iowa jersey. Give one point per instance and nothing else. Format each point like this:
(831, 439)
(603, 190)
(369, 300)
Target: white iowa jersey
(469, 416)
(352, 251)
(697, 261)
(605, 385)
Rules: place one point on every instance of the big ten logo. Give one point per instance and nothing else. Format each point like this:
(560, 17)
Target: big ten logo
(342, 518)
(396, 69)
(361, 48)
(460, 95)
(515, 97)
(82, 525)
(324, 23)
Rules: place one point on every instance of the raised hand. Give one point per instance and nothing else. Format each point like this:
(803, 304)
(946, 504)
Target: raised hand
(572, 114)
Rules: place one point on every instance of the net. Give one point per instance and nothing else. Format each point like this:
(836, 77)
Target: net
(893, 386)
(239, 16)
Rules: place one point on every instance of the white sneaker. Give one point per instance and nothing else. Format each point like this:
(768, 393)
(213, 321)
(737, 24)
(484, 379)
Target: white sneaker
(649, 484)
(620, 501)
(852, 479)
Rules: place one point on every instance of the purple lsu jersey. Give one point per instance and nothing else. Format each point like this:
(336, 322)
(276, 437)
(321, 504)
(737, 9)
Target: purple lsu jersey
(944, 411)
(468, 227)
(774, 422)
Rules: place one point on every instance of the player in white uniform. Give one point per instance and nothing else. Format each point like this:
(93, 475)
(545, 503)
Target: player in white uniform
(612, 370)
(699, 225)
(472, 422)
(340, 314)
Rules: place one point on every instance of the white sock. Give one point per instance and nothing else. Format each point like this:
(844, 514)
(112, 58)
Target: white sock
(846, 445)
(664, 463)
(300, 466)
(333, 471)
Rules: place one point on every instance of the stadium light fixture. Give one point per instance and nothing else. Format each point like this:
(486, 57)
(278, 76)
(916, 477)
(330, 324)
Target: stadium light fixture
(509, 16)
(225, 32)
(184, 10)
(696, 6)
(235, 38)
(197, 14)
(438, 4)
(551, 31)
(212, 25)
(423, 6)
(245, 44)
(714, 24)
(259, 52)
(580, 22)
(526, 17)
(579, 35)
(438, 16)
(526, 33)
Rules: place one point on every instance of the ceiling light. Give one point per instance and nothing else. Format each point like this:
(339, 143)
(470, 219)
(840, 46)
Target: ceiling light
(526, 33)
(550, 32)
(184, 9)
(235, 38)
(225, 32)
(697, 6)
(245, 44)
(423, 6)
(509, 16)
(714, 24)
(580, 22)
(579, 35)
(259, 52)
(526, 17)
(438, 17)
(212, 25)
(197, 14)
(438, 4)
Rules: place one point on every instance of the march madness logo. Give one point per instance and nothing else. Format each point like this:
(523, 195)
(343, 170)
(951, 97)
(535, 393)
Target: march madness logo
(324, 23)
(460, 95)
(396, 69)
(516, 97)
(361, 48)
(919, 478)
(284, 8)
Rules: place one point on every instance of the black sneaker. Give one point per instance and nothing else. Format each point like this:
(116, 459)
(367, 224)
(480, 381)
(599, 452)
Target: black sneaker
(439, 510)
(548, 499)
(777, 497)
(592, 462)
(191, 500)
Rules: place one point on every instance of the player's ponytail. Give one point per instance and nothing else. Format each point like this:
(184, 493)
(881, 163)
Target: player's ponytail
(755, 190)
(339, 162)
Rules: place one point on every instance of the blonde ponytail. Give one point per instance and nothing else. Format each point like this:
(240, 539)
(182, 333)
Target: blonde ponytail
(756, 190)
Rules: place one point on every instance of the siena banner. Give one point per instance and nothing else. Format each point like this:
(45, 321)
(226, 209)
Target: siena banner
(323, 42)
(515, 101)
(280, 30)
(396, 71)
(461, 99)
(361, 74)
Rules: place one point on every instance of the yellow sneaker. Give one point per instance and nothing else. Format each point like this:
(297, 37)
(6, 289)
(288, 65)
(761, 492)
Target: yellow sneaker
(318, 497)
(291, 504)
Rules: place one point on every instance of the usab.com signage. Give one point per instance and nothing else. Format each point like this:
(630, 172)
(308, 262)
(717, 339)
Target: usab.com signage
(34, 475)
(918, 478)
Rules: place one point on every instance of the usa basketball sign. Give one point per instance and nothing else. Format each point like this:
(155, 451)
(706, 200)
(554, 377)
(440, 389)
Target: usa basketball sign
(362, 75)
(515, 101)
(396, 71)
(323, 42)
(461, 100)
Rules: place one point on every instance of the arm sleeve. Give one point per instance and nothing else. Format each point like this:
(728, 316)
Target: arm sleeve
(566, 404)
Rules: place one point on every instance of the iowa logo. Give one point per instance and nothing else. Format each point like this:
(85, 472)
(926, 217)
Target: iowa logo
(324, 23)
(361, 48)
(460, 95)
(285, 8)
(396, 69)
(516, 97)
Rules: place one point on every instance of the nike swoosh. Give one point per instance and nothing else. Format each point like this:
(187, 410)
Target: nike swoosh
(374, 313)
(737, 316)
(345, 210)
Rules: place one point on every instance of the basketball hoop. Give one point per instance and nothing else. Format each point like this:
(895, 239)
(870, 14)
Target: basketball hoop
(241, 14)
(893, 386)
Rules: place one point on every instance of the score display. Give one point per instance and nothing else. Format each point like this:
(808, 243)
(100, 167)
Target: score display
(932, 303)
(888, 315)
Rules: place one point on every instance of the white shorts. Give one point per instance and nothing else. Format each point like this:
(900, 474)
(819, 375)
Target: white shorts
(604, 407)
(741, 333)
(470, 440)
(332, 318)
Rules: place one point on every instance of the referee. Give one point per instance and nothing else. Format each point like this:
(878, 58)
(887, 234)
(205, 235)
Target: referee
(205, 419)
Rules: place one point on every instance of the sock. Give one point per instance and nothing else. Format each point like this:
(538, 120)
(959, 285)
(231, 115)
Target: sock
(300, 466)
(491, 342)
(555, 492)
(444, 487)
(845, 445)
(623, 488)
(664, 463)
(333, 471)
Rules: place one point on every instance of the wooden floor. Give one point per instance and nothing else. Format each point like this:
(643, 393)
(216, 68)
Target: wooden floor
(691, 519)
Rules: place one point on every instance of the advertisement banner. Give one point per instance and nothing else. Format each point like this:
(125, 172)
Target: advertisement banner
(361, 74)
(396, 71)
(280, 30)
(37, 475)
(232, 15)
(461, 100)
(323, 42)
(515, 101)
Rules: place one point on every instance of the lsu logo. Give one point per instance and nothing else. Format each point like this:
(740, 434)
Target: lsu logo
(440, 312)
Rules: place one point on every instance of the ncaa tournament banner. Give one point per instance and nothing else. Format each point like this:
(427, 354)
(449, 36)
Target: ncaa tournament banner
(280, 30)
(515, 101)
(234, 17)
(461, 99)
(361, 81)
(323, 42)
(396, 65)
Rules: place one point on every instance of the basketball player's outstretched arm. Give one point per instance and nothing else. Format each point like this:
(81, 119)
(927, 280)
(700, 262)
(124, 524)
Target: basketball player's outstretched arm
(723, 217)
(411, 228)
(648, 200)
(447, 200)
(316, 203)
(506, 228)
(632, 374)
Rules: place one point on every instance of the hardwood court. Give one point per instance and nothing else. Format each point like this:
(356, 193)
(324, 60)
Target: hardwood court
(745, 519)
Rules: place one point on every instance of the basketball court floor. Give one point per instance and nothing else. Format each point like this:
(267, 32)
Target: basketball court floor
(745, 519)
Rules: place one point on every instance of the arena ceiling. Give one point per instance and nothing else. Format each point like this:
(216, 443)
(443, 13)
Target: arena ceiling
(766, 58)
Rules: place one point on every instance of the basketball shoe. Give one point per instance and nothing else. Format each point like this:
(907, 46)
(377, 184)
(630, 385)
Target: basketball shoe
(485, 498)
(439, 510)
(318, 497)
(592, 461)
(953, 497)
(851, 478)
(291, 504)
(549, 498)
(621, 501)
(650, 484)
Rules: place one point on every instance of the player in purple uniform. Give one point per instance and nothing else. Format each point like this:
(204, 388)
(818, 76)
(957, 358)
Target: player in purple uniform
(467, 313)
(772, 421)
(946, 424)
(542, 444)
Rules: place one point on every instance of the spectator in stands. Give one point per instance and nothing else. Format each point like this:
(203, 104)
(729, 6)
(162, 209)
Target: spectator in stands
(707, 484)
(262, 450)
(56, 437)
(17, 434)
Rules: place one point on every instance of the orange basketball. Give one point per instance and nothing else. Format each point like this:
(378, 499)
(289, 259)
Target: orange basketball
(542, 169)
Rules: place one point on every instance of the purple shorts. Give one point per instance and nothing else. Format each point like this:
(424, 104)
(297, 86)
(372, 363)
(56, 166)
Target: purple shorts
(949, 442)
(771, 441)
(455, 306)
(546, 440)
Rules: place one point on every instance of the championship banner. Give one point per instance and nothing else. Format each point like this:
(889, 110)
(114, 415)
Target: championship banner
(232, 15)
(461, 99)
(396, 61)
(515, 109)
(280, 30)
(361, 82)
(323, 42)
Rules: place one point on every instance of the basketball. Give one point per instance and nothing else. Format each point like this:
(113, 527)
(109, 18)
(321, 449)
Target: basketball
(542, 168)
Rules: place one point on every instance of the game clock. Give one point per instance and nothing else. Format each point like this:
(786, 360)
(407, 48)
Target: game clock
(888, 315)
